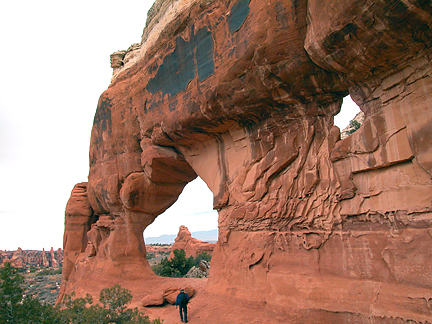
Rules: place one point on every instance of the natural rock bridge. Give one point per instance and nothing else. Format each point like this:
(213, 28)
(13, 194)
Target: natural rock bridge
(242, 93)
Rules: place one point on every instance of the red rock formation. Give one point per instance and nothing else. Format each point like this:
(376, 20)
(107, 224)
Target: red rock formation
(192, 246)
(45, 262)
(59, 256)
(52, 260)
(78, 219)
(18, 259)
(243, 94)
(32, 258)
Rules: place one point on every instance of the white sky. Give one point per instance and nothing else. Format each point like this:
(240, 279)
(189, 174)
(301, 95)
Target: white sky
(55, 65)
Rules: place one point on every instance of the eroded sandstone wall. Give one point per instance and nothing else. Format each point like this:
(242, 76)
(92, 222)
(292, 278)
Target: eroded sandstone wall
(243, 93)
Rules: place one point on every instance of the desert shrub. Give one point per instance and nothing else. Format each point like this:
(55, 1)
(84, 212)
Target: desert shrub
(34, 311)
(114, 310)
(81, 310)
(16, 309)
(179, 265)
(354, 124)
(115, 299)
(202, 257)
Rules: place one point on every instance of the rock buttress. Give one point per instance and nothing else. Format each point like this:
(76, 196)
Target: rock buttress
(243, 94)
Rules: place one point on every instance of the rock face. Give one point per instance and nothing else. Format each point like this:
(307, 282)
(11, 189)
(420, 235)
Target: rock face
(243, 93)
(192, 246)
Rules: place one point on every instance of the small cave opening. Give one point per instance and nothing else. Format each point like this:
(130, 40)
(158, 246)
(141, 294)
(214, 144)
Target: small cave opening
(350, 117)
(192, 215)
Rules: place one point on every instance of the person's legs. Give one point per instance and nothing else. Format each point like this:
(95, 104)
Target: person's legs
(185, 313)
(181, 314)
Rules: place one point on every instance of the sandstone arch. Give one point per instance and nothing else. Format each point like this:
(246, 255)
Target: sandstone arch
(336, 229)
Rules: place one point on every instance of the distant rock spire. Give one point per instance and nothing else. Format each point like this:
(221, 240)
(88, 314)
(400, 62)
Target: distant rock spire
(45, 262)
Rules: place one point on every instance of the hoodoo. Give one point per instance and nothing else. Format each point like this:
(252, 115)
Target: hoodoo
(243, 93)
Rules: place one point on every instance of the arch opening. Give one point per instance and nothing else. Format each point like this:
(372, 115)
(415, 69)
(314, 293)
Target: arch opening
(190, 224)
(193, 209)
(349, 118)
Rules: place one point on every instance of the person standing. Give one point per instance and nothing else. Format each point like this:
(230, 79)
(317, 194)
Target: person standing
(181, 301)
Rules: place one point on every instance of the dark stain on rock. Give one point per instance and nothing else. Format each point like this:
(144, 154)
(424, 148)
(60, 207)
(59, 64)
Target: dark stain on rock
(173, 105)
(238, 15)
(192, 107)
(203, 42)
(400, 17)
(152, 104)
(178, 68)
(337, 38)
(102, 118)
(281, 15)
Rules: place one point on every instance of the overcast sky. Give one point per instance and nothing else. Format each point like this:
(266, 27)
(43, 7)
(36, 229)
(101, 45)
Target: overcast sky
(54, 66)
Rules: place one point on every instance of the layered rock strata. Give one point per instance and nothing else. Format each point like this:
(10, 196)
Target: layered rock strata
(243, 93)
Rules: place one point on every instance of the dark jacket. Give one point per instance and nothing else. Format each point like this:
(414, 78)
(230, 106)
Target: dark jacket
(182, 299)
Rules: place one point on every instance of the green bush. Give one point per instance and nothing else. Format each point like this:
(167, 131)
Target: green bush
(15, 309)
(10, 293)
(202, 257)
(354, 124)
(114, 310)
(179, 265)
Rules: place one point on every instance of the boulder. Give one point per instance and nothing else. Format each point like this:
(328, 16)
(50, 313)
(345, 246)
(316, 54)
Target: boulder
(155, 299)
(170, 294)
(196, 272)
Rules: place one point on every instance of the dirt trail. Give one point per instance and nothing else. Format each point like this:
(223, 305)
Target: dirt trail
(208, 308)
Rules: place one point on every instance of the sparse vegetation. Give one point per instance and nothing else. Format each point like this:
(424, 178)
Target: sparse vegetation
(42, 285)
(179, 265)
(114, 309)
(202, 257)
(50, 272)
(16, 309)
(354, 125)
(160, 244)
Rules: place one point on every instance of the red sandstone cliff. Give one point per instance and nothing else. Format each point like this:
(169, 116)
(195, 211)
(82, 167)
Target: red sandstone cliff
(243, 94)
(192, 246)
